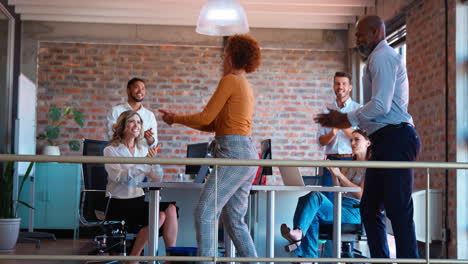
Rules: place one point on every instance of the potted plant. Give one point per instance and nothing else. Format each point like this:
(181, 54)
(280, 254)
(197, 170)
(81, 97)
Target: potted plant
(9, 222)
(57, 117)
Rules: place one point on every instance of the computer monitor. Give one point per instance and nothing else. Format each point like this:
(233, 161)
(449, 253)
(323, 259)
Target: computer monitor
(265, 146)
(198, 150)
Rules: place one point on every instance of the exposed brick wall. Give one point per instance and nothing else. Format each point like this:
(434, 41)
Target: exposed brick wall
(290, 87)
(426, 63)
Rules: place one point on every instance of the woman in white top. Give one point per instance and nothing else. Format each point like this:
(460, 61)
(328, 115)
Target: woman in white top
(127, 199)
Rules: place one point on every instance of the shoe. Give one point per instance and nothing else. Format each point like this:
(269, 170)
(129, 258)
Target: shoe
(294, 237)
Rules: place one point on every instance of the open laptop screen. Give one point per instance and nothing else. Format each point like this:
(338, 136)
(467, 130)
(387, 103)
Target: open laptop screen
(291, 176)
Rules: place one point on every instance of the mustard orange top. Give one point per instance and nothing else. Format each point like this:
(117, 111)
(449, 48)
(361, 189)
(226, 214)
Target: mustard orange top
(229, 111)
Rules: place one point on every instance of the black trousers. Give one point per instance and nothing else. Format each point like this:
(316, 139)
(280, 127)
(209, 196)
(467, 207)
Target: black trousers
(134, 211)
(390, 190)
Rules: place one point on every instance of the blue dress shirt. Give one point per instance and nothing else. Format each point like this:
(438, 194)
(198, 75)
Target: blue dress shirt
(386, 74)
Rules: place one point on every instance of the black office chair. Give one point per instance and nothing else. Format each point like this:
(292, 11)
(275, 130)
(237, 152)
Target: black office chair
(350, 233)
(94, 205)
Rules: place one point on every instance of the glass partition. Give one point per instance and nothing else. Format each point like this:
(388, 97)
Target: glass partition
(6, 78)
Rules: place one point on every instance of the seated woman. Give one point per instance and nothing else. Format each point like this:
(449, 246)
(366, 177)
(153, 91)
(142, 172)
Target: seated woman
(127, 199)
(315, 207)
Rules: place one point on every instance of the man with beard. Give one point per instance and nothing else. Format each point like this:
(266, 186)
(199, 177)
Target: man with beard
(337, 141)
(386, 119)
(136, 93)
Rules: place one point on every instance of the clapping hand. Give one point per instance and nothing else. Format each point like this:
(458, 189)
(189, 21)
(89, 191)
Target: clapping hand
(149, 136)
(333, 119)
(167, 116)
(153, 151)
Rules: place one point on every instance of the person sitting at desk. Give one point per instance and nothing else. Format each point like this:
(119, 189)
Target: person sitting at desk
(229, 113)
(127, 199)
(314, 208)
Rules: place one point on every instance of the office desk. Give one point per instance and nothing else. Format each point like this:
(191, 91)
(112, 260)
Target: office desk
(155, 187)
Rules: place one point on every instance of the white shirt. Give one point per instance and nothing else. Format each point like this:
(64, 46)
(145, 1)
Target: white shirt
(149, 120)
(122, 179)
(341, 144)
(386, 74)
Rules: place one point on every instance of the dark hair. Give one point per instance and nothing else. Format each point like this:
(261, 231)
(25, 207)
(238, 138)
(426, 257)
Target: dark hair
(134, 80)
(364, 134)
(342, 74)
(244, 51)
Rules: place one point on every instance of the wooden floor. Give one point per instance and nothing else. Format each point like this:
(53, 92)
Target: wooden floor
(50, 247)
(83, 246)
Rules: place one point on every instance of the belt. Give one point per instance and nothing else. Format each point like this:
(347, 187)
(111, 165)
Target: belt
(340, 155)
(401, 125)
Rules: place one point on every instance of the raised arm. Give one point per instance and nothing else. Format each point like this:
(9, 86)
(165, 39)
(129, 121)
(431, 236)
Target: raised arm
(327, 138)
(151, 135)
(217, 101)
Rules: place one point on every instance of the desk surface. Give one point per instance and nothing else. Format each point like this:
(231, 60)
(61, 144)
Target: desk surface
(309, 188)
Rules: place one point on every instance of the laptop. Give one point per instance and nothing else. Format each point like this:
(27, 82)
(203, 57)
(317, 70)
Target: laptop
(291, 176)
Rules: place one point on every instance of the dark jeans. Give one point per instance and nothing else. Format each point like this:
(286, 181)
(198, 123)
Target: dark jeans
(390, 190)
(327, 180)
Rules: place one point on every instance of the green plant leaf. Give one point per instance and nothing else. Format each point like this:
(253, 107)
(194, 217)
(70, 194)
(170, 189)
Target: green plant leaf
(54, 113)
(25, 178)
(78, 117)
(6, 190)
(67, 111)
(52, 132)
(74, 145)
(25, 204)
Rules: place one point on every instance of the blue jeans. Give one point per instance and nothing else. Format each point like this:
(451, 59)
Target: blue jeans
(391, 189)
(313, 209)
(327, 180)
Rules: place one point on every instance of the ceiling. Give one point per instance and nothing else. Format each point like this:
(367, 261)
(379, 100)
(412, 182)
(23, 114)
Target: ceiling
(297, 14)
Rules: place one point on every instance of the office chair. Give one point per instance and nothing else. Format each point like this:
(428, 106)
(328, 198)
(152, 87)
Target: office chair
(350, 233)
(94, 205)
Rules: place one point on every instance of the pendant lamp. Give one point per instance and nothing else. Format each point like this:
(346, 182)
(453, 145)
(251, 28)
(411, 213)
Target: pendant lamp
(222, 18)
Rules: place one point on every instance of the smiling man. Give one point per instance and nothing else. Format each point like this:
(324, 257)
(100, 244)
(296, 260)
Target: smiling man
(337, 141)
(136, 92)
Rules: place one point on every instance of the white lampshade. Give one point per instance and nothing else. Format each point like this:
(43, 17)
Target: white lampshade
(222, 18)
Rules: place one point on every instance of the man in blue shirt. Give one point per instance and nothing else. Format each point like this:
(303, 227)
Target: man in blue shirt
(337, 141)
(386, 119)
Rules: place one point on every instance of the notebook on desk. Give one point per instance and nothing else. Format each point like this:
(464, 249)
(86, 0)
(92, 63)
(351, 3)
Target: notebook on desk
(291, 176)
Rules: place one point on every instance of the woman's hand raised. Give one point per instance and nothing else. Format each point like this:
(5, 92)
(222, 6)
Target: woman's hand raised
(153, 151)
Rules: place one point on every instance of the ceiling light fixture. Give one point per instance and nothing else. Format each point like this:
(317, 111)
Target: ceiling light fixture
(222, 18)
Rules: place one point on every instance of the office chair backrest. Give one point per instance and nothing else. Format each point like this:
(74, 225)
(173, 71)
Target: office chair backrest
(94, 178)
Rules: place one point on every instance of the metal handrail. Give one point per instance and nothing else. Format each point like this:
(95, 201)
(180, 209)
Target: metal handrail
(236, 162)
(223, 259)
(243, 162)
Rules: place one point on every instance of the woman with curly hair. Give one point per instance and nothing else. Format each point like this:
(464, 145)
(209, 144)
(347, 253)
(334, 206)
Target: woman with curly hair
(229, 114)
(127, 199)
